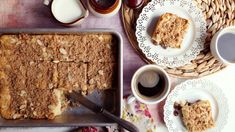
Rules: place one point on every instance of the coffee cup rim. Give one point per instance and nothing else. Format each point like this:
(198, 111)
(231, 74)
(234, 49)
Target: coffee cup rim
(162, 96)
(218, 35)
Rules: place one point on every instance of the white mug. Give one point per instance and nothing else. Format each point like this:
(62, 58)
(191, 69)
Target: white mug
(223, 49)
(149, 100)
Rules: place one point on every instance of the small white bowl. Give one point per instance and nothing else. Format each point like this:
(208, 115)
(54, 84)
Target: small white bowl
(214, 45)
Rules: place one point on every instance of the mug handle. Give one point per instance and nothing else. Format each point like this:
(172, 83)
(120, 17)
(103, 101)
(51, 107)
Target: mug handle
(131, 99)
(47, 2)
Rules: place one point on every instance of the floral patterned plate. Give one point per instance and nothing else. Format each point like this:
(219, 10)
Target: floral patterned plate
(191, 91)
(193, 41)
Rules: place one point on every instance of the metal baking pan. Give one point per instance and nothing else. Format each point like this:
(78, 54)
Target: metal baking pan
(109, 99)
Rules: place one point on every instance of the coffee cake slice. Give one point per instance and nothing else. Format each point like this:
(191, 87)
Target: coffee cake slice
(101, 48)
(12, 79)
(27, 91)
(71, 47)
(30, 47)
(10, 46)
(101, 75)
(72, 76)
(39, 47)
(197, 116)
(9, 42)
(170, 31)
(42, 75)
(38, 104)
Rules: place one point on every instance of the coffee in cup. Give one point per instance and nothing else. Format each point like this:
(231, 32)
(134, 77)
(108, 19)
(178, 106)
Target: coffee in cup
(150, 84)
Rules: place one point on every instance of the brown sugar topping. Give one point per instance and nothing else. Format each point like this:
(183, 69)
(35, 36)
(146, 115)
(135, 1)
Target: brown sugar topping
(35, 71)
(170, 31)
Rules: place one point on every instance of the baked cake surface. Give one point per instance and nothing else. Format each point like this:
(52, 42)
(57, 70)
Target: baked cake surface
(39, 47)
(36, 71)
(101, 48)
(30, 47)
(100, 75)
(72, 76)
(71, 48)
(26, 91)
(170, 31)
(197, 117)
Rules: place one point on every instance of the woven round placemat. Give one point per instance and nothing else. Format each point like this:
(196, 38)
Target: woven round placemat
(218, 13)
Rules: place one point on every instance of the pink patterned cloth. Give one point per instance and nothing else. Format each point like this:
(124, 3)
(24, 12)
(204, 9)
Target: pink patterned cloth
(139, 114)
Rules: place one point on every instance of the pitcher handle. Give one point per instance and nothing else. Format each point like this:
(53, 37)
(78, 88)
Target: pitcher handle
(47, 2)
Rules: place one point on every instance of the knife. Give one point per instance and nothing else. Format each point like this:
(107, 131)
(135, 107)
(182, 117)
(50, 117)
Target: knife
(77, 97)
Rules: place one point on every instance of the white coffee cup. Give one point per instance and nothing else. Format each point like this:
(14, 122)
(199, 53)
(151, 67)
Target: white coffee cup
(146, 99)
(223, 45)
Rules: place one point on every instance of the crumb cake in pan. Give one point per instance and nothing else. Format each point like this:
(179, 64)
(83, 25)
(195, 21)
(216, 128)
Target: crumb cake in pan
(101, 49)
(36, 47)
(100, 75)
(71, 48)
(170, 31)
(72, 76)
(27, 91)
(37, 70)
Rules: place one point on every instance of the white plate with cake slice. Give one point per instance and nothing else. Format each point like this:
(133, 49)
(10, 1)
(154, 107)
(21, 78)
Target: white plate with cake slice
(171, 32)
(197, 105)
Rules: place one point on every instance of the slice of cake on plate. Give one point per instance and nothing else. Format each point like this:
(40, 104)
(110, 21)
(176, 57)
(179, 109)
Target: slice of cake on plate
(170, 31)
(197, 116)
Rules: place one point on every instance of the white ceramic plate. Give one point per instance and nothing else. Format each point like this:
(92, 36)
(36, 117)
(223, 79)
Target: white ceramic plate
(191, 91)
(193, 41)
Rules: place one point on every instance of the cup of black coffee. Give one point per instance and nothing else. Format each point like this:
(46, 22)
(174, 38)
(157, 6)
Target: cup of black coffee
(150, 85)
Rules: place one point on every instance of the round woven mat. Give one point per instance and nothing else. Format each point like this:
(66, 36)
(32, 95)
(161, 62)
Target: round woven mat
(218, 14)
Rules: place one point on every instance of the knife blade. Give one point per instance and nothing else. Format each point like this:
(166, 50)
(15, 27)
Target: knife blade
(77, 97)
